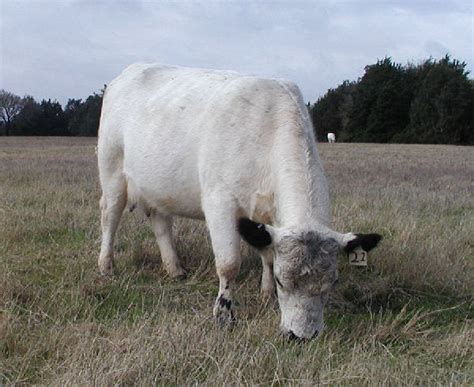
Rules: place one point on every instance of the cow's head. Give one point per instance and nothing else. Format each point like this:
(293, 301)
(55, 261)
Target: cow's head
(304, 270)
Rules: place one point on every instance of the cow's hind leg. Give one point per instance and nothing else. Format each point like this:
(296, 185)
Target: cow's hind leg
(112, 203)
(222, 224)
(162, 227)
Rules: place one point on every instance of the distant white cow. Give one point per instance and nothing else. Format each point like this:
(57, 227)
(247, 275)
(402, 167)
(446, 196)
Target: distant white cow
(331, 137)
(224, 147)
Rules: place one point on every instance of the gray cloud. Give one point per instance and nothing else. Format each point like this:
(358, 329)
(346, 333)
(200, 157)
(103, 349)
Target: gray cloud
(61, 49)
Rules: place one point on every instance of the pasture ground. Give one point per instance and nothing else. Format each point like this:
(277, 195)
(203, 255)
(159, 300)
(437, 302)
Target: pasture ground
(406, 319)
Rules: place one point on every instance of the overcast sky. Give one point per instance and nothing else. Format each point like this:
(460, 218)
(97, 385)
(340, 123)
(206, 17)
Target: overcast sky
(61, 49)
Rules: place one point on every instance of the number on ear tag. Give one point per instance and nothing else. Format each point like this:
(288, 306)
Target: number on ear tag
(358, 257)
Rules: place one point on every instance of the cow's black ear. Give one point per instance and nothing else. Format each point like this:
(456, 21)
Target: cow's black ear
(366, 241)
(255, 234)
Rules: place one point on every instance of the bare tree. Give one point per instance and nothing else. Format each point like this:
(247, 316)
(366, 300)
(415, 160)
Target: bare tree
(10, 106)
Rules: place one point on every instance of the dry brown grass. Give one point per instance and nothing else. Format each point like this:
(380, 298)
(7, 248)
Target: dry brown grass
(407, 319)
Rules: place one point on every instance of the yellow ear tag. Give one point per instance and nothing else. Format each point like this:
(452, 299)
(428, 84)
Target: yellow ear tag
(358, 257)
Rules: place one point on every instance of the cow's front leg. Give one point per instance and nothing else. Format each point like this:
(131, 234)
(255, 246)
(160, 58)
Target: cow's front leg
(268, 286)
(223, 307)
(222, 224)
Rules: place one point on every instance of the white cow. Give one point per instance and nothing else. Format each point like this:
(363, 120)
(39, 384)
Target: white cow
(224, 147)
(331, 137)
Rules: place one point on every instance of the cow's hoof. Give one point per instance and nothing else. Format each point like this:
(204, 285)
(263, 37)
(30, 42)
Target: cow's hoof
(179, 276)
(223, 311)
(106, 266)
(177, 273)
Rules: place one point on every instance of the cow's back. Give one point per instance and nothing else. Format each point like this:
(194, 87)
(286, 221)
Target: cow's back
(185, 130)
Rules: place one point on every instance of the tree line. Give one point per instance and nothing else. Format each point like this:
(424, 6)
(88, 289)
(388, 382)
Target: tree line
(432, 102)
(27, 117)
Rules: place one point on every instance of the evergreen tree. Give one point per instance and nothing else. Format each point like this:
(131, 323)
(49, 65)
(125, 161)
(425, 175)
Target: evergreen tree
(83, 117)
(51, 120)
(381, 103)
(26, 123)
(330, 114)
(441, 111)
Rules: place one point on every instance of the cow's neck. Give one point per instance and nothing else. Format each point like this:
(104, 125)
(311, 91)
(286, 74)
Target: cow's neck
(301, 191)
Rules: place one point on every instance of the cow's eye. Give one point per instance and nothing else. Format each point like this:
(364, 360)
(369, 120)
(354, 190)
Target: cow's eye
(335, 282)
(278, 282)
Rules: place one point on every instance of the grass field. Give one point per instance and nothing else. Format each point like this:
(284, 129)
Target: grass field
(406, 319)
